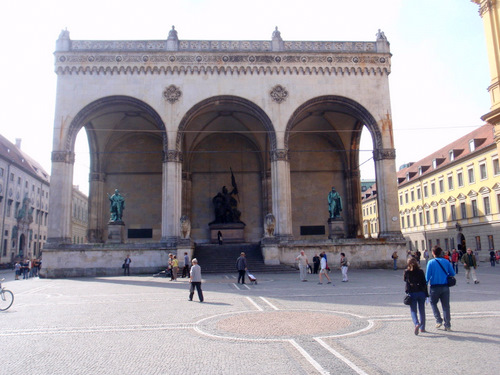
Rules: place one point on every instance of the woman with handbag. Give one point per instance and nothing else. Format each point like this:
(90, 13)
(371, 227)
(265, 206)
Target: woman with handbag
(416, 287)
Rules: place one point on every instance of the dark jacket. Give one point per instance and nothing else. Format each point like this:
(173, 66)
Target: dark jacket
(415, 281)
(241, 263)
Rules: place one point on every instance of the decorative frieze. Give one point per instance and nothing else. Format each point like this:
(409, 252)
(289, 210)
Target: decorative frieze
(221, 45)
(384, 153)
(63, 157)
(279, 155)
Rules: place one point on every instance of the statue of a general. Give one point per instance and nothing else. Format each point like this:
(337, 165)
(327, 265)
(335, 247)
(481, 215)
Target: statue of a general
(116, 206)
(334, 203)
(225, 207)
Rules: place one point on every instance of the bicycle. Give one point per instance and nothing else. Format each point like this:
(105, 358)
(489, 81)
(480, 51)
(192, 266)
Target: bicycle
(6, 297)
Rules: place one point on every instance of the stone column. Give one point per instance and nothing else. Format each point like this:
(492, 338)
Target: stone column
(355, 222)
(387, 193)
(282, 196)
(171, 196)
(61, 185)
(97, 200)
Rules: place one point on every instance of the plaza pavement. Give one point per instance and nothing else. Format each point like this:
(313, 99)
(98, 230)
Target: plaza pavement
(145, 325)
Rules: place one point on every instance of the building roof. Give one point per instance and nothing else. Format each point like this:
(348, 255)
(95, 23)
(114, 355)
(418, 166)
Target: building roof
(482, 138)
(369, 193)
(14, 155)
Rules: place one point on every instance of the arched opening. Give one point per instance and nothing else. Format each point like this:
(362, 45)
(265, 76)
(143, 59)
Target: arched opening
(461, 244)
(217, 136)
(22, 245)
(126, 139)
(323, 138)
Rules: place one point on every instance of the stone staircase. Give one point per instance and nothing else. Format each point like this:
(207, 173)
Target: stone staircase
(222, 258)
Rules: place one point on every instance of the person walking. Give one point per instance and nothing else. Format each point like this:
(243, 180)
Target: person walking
(437, 275)
(316, 262)
(17, 268)
(323, 269)
(344, 266)
(416, 287)
(170, 264)
(241, 266)
(126, 265)
(470, 265)
(303, 265)
(426, 256)
(175, 267)
(185, 269)
(195, 280)
(492, 258)
(454, 260)
(395, 259)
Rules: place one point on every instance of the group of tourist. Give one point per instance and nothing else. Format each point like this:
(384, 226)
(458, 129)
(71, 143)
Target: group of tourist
(321, 267)
(27, 268)
(438, 270)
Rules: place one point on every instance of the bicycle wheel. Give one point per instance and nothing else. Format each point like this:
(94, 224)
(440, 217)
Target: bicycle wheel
(6, 299)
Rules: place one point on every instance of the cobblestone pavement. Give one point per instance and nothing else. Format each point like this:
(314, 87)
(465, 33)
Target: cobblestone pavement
(145, 325)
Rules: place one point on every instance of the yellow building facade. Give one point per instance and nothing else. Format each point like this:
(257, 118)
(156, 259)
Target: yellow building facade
(489, 10)
(450, 198)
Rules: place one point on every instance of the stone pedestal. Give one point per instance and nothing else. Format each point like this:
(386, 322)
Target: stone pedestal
(116, 232)
(270, 251)
(336, 228)
(231, 232)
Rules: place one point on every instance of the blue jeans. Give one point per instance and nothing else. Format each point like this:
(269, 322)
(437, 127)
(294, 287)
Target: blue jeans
(441, 293)
(455, 267)
(418, 298)
(395, 264)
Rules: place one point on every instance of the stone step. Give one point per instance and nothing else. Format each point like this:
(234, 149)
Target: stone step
(222, 258)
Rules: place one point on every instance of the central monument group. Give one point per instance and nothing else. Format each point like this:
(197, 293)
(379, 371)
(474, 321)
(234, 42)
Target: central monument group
(171, 121)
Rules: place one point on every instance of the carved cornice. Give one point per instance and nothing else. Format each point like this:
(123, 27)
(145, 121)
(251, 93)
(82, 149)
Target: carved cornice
(126, 62)
(172, 156)
(484, 6)
(384, 153)
(63, 157)
(279, 155)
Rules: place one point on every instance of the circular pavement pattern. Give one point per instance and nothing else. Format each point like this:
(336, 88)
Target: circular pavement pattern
(281, 324)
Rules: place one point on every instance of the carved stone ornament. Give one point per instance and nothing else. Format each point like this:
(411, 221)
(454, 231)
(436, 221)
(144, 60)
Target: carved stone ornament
(279, 155)
(384, 153)
(173, 156)
(279, 94)
(172, 94)
(63, 157)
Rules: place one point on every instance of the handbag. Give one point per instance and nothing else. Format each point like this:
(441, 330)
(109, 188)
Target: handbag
(449, 279)
(407, 299)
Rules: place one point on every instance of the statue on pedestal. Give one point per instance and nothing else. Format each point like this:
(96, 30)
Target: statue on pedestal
(334, 204)
(225, 205)
(117, 205)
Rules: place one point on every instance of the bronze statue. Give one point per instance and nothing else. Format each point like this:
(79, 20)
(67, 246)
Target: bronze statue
(334, 203)
(117, 205)
(225, 205)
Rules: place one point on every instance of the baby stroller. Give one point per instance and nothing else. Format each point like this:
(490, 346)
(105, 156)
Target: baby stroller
(252, 278)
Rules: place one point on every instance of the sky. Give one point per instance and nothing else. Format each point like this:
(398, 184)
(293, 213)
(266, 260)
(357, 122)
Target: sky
(438, 83)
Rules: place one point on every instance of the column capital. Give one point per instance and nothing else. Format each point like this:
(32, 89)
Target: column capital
(95, 176)
(279, 155)
(63, 157)
(384, 153)
(172, 156)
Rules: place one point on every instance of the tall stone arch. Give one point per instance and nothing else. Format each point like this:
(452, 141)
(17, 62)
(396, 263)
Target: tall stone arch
(218, 134)
(341, 120)
(105, 120)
